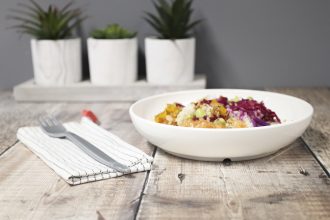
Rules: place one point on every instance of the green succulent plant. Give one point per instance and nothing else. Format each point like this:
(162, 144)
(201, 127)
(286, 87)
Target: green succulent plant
(51, 23)
(172, 20)
(113, 31)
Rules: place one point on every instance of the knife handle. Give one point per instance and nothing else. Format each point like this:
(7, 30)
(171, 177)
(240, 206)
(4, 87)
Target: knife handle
(96, 153)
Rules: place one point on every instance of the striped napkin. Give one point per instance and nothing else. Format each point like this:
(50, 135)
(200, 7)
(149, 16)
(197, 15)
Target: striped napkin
(72, 164)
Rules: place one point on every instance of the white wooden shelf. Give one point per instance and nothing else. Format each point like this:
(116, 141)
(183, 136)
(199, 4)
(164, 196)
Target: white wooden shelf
(86, 92)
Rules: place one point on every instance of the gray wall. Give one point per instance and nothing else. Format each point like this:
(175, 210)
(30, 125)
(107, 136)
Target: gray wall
(241, 43)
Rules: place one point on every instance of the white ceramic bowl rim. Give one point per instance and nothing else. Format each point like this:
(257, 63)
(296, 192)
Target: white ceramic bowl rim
(283, 124)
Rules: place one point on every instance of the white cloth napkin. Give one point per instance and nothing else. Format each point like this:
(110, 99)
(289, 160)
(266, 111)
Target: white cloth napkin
(75, 166)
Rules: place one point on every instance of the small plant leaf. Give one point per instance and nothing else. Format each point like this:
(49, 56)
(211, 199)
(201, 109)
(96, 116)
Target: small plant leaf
(113, 31)
(173, 18)
(192, 25)
(51, 23)
(65, 7)
(68, 30)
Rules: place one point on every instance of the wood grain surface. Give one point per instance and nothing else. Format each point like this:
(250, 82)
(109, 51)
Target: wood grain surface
(291, 184)
(287, 185)
(14, 115)
(31, 190)
(317, 136)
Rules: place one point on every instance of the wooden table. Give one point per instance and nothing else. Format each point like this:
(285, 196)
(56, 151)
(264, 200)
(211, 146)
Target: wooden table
(291, 184)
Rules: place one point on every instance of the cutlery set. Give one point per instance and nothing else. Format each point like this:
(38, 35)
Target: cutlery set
(55, 129)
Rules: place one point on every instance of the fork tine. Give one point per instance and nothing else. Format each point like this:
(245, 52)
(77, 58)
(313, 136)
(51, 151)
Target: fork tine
(42, 121)
(49, 121)
(54, 120)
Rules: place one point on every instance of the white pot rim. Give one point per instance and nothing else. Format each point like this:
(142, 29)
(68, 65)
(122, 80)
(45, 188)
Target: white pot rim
(122, 39)
(161, 39)
(58, 40)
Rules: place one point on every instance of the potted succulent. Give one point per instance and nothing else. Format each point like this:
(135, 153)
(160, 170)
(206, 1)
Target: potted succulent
(112, 54)
(170, 56)
(56, 55)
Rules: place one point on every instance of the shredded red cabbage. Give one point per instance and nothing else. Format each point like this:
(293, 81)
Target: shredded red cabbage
(257, 111)
(223, 100)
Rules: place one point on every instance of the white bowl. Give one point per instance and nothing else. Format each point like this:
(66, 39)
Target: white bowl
(219, 144)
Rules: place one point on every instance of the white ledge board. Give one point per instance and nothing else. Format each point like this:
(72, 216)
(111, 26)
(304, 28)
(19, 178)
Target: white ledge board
(86, 92)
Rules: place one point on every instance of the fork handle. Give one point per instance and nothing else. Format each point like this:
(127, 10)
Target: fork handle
(96, 153)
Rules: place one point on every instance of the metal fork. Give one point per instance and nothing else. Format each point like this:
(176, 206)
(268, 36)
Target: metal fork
(53, 128)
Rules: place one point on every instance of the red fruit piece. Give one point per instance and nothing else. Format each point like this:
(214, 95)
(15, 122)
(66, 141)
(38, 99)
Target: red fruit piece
(89, 114)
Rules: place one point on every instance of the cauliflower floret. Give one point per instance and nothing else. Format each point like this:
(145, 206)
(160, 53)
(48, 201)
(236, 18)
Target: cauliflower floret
(207, 109)
(185, 114)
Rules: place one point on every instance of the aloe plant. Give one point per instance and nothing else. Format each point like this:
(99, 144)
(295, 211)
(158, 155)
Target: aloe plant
(52, 23)
(113, 31)
(172, 20)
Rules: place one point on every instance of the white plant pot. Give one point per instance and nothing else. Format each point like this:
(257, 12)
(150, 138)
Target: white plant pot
(56, 62)
(112, 61)
(170, 61)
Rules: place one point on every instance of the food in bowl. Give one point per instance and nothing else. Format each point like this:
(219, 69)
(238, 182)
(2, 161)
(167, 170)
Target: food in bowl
(219, 113)
(212, 144)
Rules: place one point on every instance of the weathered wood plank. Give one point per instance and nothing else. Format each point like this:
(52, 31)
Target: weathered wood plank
(31, 190)
(317, 136)
(287, 185)
(14, 115)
